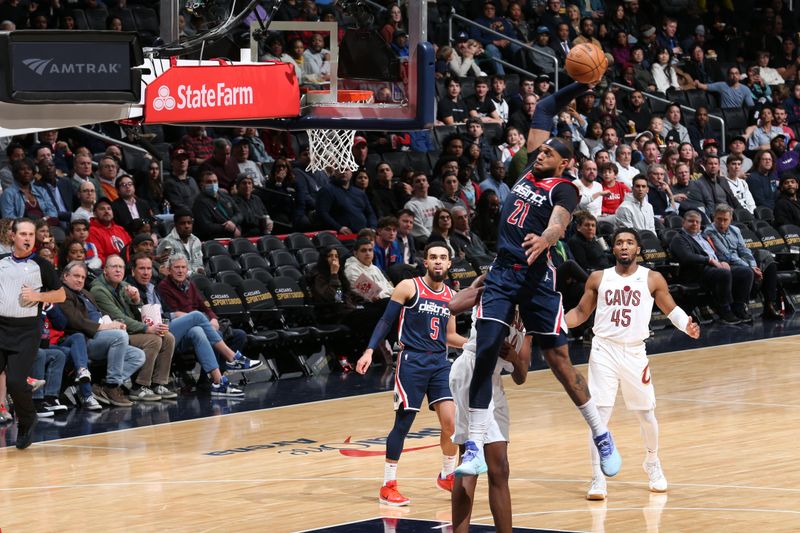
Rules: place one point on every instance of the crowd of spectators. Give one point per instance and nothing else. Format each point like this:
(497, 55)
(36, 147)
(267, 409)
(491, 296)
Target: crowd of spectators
(126, 231)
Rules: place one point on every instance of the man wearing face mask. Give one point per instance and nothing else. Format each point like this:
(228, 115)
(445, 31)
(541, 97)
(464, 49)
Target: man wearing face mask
(215, 213)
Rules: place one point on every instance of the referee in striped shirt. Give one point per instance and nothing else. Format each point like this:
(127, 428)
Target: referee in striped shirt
(26, 283)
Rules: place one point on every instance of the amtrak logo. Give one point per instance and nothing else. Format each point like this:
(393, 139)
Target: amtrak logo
(37, 65)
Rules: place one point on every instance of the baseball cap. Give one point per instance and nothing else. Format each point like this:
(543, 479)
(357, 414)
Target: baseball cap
(542, 77)
(645, 134)
(139, 239)
(710, 142)
(180, 153)
(737, 138)
(673, 136)
(462, 36)
(700, 30)
(648, 30)
(359, 140)
(243, 176)
(542, 29)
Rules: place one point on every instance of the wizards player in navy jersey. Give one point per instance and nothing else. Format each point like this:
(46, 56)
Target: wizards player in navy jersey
(533, 217)
(425, 331)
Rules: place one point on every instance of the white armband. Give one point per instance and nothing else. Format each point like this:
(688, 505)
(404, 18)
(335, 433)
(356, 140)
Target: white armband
(679, 318)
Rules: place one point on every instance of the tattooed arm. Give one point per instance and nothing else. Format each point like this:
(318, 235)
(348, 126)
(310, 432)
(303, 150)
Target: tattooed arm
(536, 244)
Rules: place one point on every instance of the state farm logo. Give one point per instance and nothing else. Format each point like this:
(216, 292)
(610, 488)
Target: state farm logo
(203, 97)
(163, 100)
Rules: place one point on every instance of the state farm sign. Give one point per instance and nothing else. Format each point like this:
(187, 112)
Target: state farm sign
(225, 92)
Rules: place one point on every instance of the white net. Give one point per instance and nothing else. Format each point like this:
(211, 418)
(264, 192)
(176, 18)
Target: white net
(331, 149)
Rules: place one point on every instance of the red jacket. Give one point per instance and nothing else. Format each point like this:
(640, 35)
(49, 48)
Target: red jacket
(108, 240)
(174, 298)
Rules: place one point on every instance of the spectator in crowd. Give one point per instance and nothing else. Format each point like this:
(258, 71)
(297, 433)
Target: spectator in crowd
(589, 252)
(780, 121)
(360, 150)
(386, 197)
(494, 46)
(527, 86)
(731, 248)
(732, 93)
(791, 105)
(423, 207)
(461, 62)
(552, 16)
(463, 238)
(698, 261)
(342, 207)
(616, 190)
(590, 189)
(316, 62)
(786, 63)
(150, 186)
(451, 108)
(14, 152)
(587, 33)
(107, 172)
(367, 282)
(737, 182)
(288, 203)
(498, 96)
(767, 73)
(215, 211)
(387, 248)
(24, 197)
(442, 230)
(79, 232)
(327, 282)
(58, 148)
(218, 162)
(683, 177)
(736, 146)
(514, 142)
(240, 163)
(180, 189)
(405, 224)
(673, 122)
(480, 105)
(785, 160)
(487, 218)
(394, 21)
(760, 91)
(540, 56)
(763, 179)
(636, 112)
(659, 193)
(664, 72)
(59, 190)
(106, 339)
(668, 38)
(308, 183)
(122, 302)
(182, 241)
(255, 220)
(452, 195)
(105, 234)
(710, 189)
(700, 129)
(496, 181)
(626, 171)
(562, 43)
(651, 155)
(521, 118)
(635, 211)
(196, 328)
(128, 207)
(49, 367)
(759, 136)
(787, 208)
(701, 68)
(641, 78)
(608, 142)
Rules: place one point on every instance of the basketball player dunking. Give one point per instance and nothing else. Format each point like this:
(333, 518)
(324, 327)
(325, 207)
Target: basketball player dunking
(624, 296)
(534, 216)
(425, 331)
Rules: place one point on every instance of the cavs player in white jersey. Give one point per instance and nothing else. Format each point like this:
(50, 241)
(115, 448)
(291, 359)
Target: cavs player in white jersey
(624, 295)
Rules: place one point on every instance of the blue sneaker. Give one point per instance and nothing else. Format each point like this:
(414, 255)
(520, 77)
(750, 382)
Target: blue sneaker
(610, 459)
(472, 462)
(241, 363)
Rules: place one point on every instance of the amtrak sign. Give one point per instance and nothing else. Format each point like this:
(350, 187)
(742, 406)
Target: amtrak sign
(224, 92)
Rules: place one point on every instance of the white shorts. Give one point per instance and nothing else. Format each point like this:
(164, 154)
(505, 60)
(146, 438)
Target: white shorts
(460, 377)
(612, 365)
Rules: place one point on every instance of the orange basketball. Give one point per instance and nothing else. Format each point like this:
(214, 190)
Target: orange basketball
(586, 63)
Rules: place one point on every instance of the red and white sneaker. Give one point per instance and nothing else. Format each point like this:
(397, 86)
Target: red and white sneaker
(445, 483)
(389, 495)
(36, 384)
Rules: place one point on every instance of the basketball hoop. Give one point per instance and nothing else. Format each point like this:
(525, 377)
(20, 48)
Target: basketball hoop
(331, 148)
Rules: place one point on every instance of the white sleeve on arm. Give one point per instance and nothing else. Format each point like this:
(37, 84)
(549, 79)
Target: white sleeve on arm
(679, 318)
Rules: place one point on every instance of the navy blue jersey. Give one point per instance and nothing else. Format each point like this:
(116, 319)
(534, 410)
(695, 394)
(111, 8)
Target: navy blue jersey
(527, 210)
(423, 322)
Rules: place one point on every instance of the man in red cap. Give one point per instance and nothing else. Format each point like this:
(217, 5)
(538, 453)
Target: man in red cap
(360, 150)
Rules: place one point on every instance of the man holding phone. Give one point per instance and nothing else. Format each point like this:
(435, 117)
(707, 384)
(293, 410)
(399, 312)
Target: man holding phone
(122, 302)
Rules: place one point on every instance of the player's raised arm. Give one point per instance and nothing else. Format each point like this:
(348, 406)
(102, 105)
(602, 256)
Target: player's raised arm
(546, 109)
(404, 291)
(665, 302)
(581, 313)
(464, 300)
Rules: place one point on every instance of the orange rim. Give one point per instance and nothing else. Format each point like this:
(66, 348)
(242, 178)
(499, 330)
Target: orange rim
(347, 95)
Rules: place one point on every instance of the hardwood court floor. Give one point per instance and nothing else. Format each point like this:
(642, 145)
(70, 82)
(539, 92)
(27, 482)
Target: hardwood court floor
(729, 437)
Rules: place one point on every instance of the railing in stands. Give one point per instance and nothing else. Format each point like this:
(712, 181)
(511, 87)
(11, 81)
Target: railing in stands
(686, 108)
(456, 16)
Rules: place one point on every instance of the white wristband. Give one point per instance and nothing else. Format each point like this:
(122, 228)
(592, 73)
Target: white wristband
(679, 318)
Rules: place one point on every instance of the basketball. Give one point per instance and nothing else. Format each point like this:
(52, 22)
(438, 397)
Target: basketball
(586, 63)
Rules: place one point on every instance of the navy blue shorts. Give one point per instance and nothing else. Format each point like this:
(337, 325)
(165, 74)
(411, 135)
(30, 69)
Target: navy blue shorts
(419, 374)
(534, 290)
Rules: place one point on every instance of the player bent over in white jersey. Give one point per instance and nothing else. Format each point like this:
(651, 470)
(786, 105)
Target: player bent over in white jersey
(515, 357)
(624, 295)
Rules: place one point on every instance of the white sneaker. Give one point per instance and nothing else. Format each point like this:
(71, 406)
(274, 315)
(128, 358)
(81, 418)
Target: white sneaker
(92, 404)
(658, 483)
(597, 491)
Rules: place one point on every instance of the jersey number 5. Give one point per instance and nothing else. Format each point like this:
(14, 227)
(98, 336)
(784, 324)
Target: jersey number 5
(435, 328)
(621, 318)
(517, 217)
